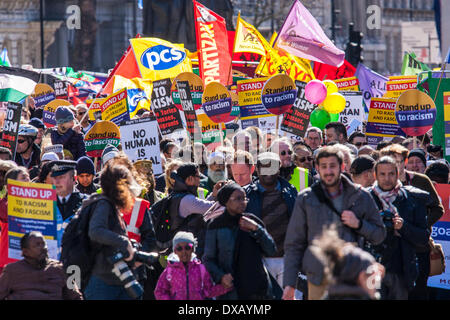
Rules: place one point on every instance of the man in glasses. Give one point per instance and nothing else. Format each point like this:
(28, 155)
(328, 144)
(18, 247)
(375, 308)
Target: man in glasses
(297, 176)
(28, 154)
(272, 199)
(83, 118)
(358, 139)
(313, 138)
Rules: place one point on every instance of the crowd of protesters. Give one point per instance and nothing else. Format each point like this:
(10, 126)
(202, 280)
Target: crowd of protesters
(258, 216)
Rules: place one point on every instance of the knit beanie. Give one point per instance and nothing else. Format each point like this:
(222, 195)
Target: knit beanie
(419, 153)
(182, 236)
(226, 191)
(108, 153)
(85, 165)
(63, 115)
(354, 261)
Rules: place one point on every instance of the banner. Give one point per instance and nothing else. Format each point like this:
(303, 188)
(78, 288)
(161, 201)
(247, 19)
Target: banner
(140, 141)
(99, 136)
(42, 94)
(447, 122)
(31, 207)
(61, 89)
(440, 232)
(302, 36)
(159, 59)
(412, 66)
(415, 112)
(247, 38)
(212, 44)
(195, 86)
(296, 120)
(115, 107)
(382, 124)
(188, 108)
(167, 115)
(354, 110)
(324, 71)
(395, 88)
(138, 93)
(48, 116)
(11, 127)
(347, 84)
(372, 84)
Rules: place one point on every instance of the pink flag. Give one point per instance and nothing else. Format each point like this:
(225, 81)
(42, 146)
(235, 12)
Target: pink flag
(302, 36)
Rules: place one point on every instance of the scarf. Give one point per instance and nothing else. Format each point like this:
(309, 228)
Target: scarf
(387, 198)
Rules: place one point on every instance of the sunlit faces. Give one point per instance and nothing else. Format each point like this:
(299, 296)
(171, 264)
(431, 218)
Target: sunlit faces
(329, 170)
(387, 176)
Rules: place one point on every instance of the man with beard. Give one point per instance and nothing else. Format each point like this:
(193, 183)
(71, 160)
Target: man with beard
(36, 277)
(404, 211)
(272, 199)
(217, 171)
(297, 176)
(334, 199)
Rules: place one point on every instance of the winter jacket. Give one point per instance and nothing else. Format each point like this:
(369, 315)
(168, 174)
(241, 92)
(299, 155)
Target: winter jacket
(220, 244)
(71, 140)
(310, 217)
(414, 233)
(191, 282)
(255, 196)
(35, 158)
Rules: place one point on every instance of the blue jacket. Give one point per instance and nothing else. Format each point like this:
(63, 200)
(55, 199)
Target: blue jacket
(71, 141)
(254, 195)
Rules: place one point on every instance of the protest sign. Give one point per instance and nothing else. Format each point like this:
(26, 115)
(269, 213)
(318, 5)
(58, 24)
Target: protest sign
(217, 103)
(140, 141)
(347, 84)
(278, 94)
(396, 87)
(11, 127)
(99, 136)
(31, 207)
(354, 110)
(440, 232)
(42, 94)
(3, 108)
(61, 89)
(167, 115)
(188, 108)
(415, 112)
(296, 120)
(235, 108)
(95, 112)
(382, 124)
(195, 86)
(115, 107)
(210, 129)
(447, 122)
(253, 113)
(48, 117)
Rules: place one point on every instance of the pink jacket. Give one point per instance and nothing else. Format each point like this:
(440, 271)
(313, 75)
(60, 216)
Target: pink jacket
(174, 283)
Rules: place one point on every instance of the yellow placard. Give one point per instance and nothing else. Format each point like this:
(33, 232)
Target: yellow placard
(115, 105)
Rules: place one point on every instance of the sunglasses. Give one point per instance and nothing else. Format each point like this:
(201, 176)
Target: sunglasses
(303, 159)
(187, 247)
(21, 141)
(81, 113)
(283, 153)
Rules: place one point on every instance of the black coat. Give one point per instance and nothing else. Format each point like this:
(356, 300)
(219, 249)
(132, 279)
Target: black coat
(414, 233)
(73, 204)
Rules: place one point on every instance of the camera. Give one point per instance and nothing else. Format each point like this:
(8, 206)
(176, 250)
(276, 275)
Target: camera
(122, 270)
(388, 217)
(126, 276)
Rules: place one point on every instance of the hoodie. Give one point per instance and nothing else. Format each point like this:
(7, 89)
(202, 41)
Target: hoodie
(190, 282)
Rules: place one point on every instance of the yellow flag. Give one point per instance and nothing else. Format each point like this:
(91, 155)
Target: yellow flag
(159, 59)
(139, 93)
(248, 39)
(278, 60)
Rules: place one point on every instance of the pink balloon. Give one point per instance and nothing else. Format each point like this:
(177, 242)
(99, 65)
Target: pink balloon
(315, 91)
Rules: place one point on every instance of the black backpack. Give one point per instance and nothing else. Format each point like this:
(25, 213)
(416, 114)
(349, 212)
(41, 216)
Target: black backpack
(76, 246)
(163, 220)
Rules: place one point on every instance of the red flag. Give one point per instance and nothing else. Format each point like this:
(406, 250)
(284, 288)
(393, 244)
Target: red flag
(212, 45)
(321, 70)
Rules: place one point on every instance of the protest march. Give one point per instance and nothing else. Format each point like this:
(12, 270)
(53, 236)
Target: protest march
(185, 176)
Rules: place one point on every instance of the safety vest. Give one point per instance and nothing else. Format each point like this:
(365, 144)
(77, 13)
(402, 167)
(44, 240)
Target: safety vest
(202, 193)
(135, 219)
(299, 178)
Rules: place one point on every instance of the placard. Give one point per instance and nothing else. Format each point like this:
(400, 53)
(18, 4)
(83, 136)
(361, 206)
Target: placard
(43, 94)
(278, 94)
(48, 116)
(11, 127)
(354, 110)
(140, 141)
(115, 107)
(217, 103)
(188, 108)
(99, 136)
(195, 86)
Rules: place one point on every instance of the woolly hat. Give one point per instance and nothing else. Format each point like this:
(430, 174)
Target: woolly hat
(419, 153)
(85, 165)
(361, 164)
(63, 115)
(354, 261)
(183, 236)
(37, 123)
(49, 156)
(108, 153)
(226, 191)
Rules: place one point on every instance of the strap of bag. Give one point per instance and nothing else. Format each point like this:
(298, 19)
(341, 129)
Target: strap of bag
(318, 191)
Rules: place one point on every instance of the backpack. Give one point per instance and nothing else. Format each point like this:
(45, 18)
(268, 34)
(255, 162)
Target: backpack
(76, 246)
(163, 220)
